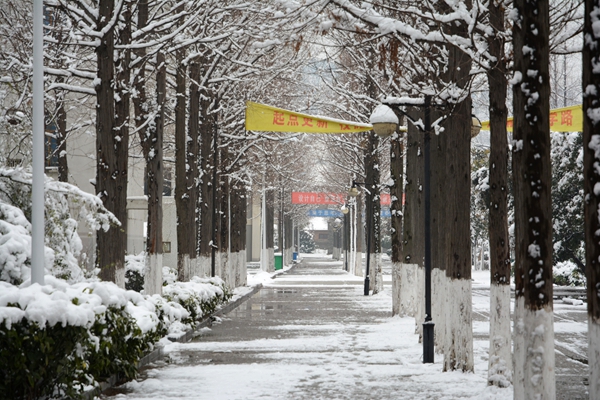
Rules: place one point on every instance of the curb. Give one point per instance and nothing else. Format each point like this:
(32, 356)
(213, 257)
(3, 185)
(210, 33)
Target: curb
(185, 337)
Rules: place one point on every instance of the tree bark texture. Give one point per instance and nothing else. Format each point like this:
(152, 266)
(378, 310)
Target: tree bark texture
(439, 225)
(360, 238)
(155, 179)
(223, 193)
(373, 210)
(186, 144)
(61, 135)
(500, 359)
(206, 187)
(270, 229)
(413, 250)
(111, 157)
(238, 230)
(396, 171)
(533, 330)
(591, 159)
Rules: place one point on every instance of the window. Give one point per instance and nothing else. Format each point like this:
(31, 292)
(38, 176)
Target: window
(166, 247)
(323, 236)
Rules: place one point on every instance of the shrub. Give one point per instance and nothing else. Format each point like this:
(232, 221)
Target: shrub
(566, 273)
(58, 338)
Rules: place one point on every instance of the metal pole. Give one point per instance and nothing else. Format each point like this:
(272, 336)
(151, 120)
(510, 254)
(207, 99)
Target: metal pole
(428, 325)
(37, 189)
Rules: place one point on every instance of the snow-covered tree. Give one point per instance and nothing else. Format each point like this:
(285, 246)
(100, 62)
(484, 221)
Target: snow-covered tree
(591, 158)
(533, 323)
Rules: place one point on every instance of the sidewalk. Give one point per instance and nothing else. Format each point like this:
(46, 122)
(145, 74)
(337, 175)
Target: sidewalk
(311, 334)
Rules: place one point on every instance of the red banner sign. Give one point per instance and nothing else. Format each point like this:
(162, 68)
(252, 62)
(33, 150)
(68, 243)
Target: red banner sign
(329, 198)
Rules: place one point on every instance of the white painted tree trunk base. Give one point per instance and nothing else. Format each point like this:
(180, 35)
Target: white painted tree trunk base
(458, 339)
(398, 286)
(375, 272)
(500, 359)
(410, 287)
(594, 357)
(439, 296)
(238, 265)
(203, 266)
(270, 260)
(153, 274)
(120, 278)
(358, 265)
(188, 268)
(519, 349)
(420, 302)
(535, 378)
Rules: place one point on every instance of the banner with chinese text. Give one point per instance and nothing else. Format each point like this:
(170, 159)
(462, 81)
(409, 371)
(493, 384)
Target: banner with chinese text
(566, 119)
(260, 117)
(329, 198)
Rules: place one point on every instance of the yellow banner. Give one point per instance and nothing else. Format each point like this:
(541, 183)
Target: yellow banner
(566, 119)
(260, 117)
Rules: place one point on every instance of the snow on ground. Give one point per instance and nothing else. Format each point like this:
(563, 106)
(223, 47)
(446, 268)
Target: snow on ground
(379, 359)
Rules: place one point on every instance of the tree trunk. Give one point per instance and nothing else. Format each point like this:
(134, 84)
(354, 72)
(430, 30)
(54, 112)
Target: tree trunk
(439, 202)
(185, 147)
(412, 300)
(533, 324)
(223, 220)
(359, 229)
(206, 187)
(458, 343)
(591, 158)
(396, 194)
(500, 358)
(238, 232)
(373, 211)
(111, 156)
(155, 179)
(61, 135)
(270, 230)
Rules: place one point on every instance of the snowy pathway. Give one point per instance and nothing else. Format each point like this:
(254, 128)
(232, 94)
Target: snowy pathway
(311, 334)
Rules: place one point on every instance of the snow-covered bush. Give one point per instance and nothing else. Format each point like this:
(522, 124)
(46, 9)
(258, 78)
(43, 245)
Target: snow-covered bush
(58, 338)
(200, 296)
(566, 273)
(65, 204)
(134, 271)
(169, 275)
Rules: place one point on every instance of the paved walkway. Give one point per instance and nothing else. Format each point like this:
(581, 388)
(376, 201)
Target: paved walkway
(311, 334)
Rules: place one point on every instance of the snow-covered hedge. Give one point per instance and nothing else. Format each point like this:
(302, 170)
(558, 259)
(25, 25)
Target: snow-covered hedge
(566, 273)
(59, 338)
(76, 331)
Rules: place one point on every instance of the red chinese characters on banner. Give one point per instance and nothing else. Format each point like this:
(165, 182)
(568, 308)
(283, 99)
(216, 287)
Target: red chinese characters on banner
(566, 118)
(329, 198)
(278, 118)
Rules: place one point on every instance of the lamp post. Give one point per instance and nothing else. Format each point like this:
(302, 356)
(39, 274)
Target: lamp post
(383, 120)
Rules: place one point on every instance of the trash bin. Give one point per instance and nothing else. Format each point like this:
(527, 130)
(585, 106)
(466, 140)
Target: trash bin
(278, 262)
(294, 256)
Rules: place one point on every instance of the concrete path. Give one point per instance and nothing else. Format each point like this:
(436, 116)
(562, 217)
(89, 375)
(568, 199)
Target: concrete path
(311, 334)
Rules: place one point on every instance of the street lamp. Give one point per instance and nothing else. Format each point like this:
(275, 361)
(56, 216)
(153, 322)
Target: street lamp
(378, 126)
(353, 192)
(381, 119)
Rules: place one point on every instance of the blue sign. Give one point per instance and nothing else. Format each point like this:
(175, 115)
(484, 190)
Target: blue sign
(325, 213)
